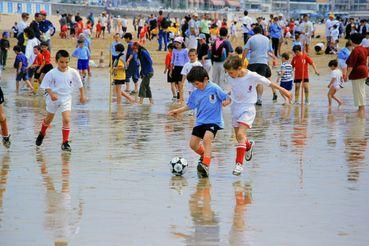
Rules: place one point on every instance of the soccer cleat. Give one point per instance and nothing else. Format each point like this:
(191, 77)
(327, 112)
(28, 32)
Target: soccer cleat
(66, 147)
(6, 142)
(259, 102)
(275, 97)
(237, 169)
(248, 155)
(202, 170)
(39, 139)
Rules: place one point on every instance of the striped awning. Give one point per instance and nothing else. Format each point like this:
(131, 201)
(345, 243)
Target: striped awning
(217, 2)
(233, 3)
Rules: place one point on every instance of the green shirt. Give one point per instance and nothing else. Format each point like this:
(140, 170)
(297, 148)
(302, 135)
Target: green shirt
(204, 26)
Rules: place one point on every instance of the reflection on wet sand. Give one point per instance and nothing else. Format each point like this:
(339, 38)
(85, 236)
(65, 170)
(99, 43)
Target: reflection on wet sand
(178, 183)
(356, 142)
(243, 197)
(5, 161)
(61, 216)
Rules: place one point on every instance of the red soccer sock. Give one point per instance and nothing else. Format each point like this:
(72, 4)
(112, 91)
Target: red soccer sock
(206, 160)
(240, 150)
(44, 127)
(65, 132)
(248, 145)
(200, 151)
(4, 128)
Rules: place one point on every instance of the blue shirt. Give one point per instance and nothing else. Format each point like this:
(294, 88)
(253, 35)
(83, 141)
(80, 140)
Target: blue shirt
(275, 31)
(208, 103)
(134, 62)
(146, 63)
(82, 53)
(343, 53)
(45, 26)
(21, 58)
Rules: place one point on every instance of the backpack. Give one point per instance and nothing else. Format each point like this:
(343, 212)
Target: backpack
(217, 54)
(165, 23)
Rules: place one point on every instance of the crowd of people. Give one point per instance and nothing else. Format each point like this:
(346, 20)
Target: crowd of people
(201, 65)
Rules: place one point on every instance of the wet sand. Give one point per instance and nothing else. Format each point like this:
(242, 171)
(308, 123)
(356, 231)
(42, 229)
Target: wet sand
(306, 185)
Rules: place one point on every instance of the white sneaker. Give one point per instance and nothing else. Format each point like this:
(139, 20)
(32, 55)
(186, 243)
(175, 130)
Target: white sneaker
(237, 169)
(248, 155)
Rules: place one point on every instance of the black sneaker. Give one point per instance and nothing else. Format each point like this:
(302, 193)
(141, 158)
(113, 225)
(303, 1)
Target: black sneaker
(275, 97)
(133, 93)
(259, 102)
(202, 170)
(39, 139)
(66, 147)
(6, 142)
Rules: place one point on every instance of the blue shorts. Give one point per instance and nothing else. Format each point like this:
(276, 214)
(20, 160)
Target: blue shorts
(132, 73)
(82, 64)
(23, 75)
(287, 85)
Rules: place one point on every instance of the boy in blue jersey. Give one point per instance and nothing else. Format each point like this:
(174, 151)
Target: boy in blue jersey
(208, 100)
(83, 54)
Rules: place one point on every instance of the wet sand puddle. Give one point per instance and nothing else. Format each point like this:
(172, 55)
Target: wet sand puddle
(306, 185)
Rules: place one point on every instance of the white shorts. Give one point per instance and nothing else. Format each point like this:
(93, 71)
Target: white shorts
(244, 115)
(59, 105)
(342, 64)
(305, 39)
(337, 86)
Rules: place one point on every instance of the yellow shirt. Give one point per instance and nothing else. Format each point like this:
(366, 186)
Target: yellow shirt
(245, 61)
(120, 72)
(214, 31)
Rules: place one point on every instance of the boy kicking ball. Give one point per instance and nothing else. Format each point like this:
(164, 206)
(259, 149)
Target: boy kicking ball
(208, 99)
(243, 93)
(59, 84)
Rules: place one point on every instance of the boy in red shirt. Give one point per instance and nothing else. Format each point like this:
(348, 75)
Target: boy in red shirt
(46, 65)
(168, 67)
(98, 29)
(32, 70)
(300, 64)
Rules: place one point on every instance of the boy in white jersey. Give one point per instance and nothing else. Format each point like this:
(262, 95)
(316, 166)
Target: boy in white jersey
(192, 55)
(335, 84)
(59, 84)
(243, 93)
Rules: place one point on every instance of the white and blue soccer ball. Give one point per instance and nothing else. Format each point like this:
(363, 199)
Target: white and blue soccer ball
(178, 166)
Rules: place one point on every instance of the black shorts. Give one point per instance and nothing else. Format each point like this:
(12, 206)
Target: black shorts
(119, 82)
(1, 96)
(261, 69)
(176, 74)
(199, 131)
(31, 71)
(170, 78)
(297, 81)
(103, 28)
(46, 68)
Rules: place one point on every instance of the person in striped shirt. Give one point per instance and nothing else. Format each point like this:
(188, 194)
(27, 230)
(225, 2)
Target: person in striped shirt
(285, 75)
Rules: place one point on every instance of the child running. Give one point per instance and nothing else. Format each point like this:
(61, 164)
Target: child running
(300, 64)
(208, 100)
(21, 64)
(285, 76)
(83, 54)
(335, 84)
(179, 58)
(32, 70)
(59, 84)
(4, 126)
(46, 65)
(342, 56)
(168, 68)
(192, 54)
(243, 93)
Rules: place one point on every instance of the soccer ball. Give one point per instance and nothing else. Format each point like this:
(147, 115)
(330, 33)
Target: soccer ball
(178, 166)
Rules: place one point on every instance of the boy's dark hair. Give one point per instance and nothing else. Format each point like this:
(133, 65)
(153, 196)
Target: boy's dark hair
(348, 44)
(119, 47)
(286, 56)
(197, 73)
(296, 48)
(46, 44)
(80, 41)
(297, 35)
(335, 26)
(333, 63)
(192, 51)
(29, 32)
(233, 62)
(38, 47)
(257, 29)
(356, 38)
(17, 48)
(223, 32)
(238, 50)
(170, 46)
(245, 12)
(60, 54)
(128, 35)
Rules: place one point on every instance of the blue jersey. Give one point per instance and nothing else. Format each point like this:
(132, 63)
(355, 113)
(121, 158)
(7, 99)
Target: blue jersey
(23, 59)
(208, 103)
(343, 54)
(82, 53)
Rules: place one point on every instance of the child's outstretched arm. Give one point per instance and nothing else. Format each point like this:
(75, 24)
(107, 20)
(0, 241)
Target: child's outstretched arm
(178, 110)
(283, 91)
(331, 83)
(82, 97)
(314, 67)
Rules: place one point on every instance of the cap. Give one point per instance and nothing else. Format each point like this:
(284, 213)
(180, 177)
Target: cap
(43, 12)
(202, 36)
(178, 40)
(196, 14)
(6, 34)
